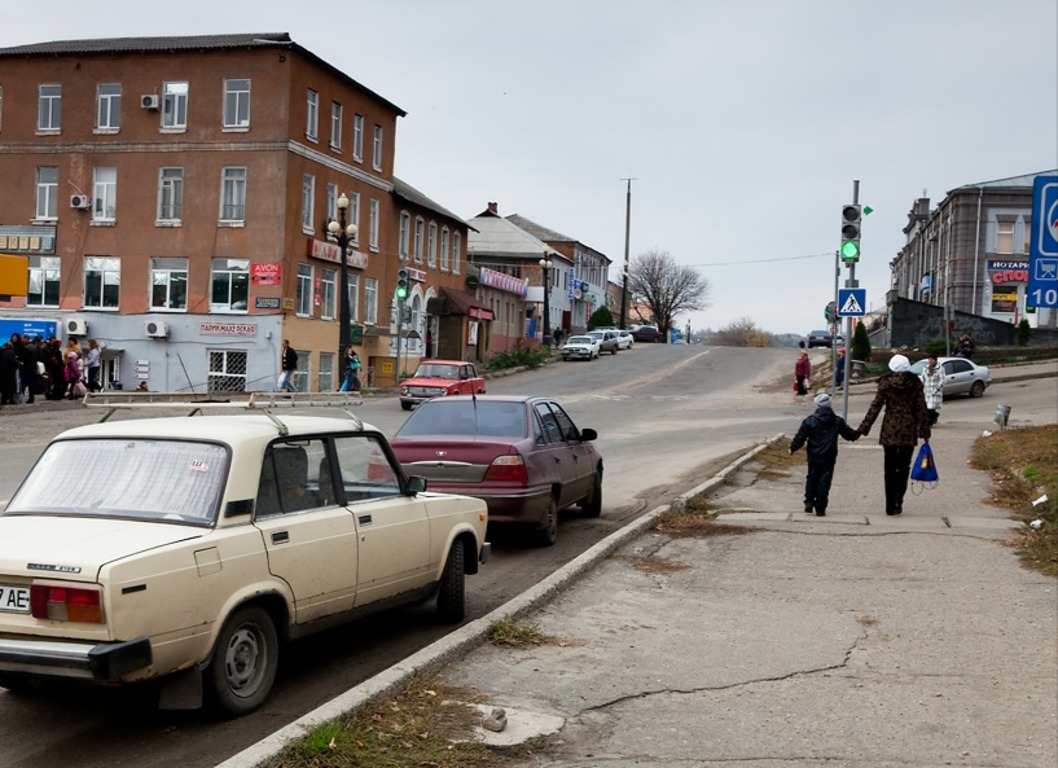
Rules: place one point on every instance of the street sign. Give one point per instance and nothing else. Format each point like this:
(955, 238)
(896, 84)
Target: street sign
(852, 302)
(1043, 249)
(830, 312)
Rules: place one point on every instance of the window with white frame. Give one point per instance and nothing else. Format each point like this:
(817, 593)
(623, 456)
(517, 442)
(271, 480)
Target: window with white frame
(105, 194)
(419, 227)
(444, 249)
(49, 108)
(233, 194)
(236, 103)
(354, 297)
(457, 242)
(44, 277)
(431, 245)
(1005, 236)
(304, 291)
(229, 285)
(312, 115)
(308, 194)
(108, 107)
(174, 105)
(326, 375)
(226, 370)
(404, 234)
(372, 224)
(169, 283)
(376, 151)
(353, 215)
(358, 138)
(336, 125)
(102, 282)
(170, 194)
(328, 286)
(47, 192)
(332, 200)
(371, 300)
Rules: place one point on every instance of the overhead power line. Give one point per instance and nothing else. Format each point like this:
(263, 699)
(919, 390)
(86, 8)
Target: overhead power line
(762, 261)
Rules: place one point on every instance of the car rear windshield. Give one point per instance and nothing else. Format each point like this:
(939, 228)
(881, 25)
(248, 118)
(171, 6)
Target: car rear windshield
(130, 478)
(466, 417)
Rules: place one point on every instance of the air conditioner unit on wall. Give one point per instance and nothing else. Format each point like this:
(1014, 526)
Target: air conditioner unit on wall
(149, 101)
(156, 329)
(80, 201)
(76, 326)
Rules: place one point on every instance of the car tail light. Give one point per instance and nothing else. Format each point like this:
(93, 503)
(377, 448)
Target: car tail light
(507, 469)
(65, 603)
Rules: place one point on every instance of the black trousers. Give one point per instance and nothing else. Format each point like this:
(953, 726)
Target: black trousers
(897, 471)
(817, 486)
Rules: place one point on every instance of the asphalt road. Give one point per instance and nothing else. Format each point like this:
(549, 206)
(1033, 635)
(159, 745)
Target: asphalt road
(666, 415)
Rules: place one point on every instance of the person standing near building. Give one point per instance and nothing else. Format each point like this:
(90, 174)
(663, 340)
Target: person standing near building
(933, 388)
(802, 372)
(93, 361)
(288, 364)
(839, 369)
(900, 394)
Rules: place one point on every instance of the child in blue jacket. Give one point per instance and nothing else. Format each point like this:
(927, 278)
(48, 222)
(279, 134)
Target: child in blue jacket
(821, 431)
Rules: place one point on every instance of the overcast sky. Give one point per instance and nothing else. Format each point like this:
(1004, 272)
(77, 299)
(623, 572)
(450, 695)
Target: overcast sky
(743, 122)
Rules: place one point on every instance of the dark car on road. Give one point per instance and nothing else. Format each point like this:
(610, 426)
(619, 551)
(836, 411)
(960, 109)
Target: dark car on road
(647, 333)
(522, 455)
(823, 339)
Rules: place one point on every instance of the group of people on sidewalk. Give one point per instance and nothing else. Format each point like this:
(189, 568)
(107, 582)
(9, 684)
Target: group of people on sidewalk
(31, 366)
(288, 367)
(909, 415)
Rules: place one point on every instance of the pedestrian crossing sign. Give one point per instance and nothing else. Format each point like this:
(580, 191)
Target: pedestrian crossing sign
(852, 302)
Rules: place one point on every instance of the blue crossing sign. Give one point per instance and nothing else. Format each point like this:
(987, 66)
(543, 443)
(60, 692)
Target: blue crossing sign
(1043, 248)
(852, 302)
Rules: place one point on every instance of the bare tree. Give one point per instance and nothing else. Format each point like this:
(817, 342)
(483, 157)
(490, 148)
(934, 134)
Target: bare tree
(666, 288)
(741, 333)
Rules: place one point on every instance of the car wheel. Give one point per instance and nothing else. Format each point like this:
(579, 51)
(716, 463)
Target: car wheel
(451, 595)
(405, 406)
(593, 506)
(549, 530)
(977, 389)
(613, 351)
(19, 686)
(245, 659)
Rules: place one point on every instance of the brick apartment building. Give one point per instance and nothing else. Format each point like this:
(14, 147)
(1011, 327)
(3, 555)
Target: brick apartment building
(171, 196)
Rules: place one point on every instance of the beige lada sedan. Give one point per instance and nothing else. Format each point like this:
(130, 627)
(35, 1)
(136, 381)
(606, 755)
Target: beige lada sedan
(191, 548)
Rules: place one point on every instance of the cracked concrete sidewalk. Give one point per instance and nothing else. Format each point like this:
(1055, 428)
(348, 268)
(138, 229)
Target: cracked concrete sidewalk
(851, 640)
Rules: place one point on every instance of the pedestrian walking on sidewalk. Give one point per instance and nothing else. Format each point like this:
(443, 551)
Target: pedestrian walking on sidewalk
(802, 372)
(900, 393)
(821, 431)
(933, 388)
(288, 363)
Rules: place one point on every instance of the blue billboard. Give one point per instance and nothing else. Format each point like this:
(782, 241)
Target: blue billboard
(27, 326)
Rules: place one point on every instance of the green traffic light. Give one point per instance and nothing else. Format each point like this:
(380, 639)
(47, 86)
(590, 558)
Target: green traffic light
(850, 251)
(402, 293)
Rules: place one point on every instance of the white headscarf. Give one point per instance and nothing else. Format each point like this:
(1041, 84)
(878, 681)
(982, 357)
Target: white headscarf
(899, 364)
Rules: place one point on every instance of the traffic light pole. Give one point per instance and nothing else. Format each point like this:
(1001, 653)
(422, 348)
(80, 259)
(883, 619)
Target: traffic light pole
(850, 282)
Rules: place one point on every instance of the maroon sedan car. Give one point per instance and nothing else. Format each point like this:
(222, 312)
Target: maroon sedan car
(522, 454)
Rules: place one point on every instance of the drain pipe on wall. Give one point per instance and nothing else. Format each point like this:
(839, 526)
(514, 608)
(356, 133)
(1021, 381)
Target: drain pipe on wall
(977, 250)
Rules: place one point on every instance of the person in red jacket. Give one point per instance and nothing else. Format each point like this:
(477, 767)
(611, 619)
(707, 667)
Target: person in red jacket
(803, 370)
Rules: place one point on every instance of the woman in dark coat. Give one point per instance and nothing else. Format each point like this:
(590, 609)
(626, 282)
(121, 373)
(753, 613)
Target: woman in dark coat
(906, 419)
(8, 374)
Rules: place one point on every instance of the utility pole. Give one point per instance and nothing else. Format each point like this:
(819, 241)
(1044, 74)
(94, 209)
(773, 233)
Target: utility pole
(624, 272)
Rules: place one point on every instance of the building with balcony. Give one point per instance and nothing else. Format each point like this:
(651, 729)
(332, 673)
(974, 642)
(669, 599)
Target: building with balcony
(172, 195)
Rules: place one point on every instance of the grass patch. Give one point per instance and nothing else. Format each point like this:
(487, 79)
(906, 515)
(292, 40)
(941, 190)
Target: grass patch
(1023, 463)
(777, 460)
(423, 725)
(654, 564)
(516, 634)
(696, 518)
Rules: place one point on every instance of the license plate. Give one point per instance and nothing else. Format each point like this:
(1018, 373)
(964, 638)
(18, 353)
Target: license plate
(14, 599)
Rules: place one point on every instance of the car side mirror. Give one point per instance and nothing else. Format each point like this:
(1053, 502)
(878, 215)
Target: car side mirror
(587, 435)
(416, 484)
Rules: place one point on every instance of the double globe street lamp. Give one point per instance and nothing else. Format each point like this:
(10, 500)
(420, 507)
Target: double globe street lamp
(545, 267)
(343, 234)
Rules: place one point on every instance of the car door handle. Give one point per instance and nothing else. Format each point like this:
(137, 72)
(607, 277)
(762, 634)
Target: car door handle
(280, 537)
(364, 520)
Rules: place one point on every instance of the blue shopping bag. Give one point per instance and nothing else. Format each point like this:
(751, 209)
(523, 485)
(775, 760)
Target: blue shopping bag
(924, 469)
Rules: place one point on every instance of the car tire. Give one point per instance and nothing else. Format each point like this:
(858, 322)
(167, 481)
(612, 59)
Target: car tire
(451, 593)
(593, 507)
(548, 531)
(17, 685)
(245, 659)
(977, 389)
(405, 406)
(613, 351)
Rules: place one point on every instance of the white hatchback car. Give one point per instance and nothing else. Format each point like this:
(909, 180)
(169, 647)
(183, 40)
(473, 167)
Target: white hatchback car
(190, 548)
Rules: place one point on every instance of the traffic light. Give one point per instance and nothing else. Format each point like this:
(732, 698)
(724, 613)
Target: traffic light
(402, 284)
(851, 219)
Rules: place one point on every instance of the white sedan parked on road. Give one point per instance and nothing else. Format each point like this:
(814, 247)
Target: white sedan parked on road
(580, 348)
(189, 549)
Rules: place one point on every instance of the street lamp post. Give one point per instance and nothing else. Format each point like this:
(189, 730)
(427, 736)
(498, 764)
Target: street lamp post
(545, 267)
(343, 235)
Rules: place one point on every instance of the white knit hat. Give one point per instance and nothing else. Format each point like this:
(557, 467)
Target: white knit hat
(823, 400)
(899, 364)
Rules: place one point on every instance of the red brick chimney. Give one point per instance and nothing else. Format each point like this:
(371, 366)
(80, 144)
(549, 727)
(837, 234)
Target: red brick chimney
(494, 208)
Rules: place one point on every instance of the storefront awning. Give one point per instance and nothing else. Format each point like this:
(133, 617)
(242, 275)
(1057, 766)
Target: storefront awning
(455, 302)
